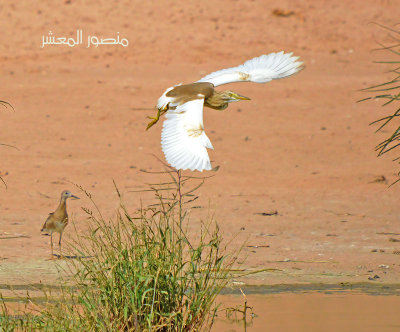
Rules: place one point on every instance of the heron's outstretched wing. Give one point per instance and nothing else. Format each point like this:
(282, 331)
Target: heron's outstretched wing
(183, 139)
(259, 70)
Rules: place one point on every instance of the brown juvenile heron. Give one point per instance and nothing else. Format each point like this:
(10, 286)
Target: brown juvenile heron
(57, 220)
(183, 139)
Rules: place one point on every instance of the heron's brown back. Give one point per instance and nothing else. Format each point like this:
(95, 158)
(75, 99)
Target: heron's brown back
(188, 92)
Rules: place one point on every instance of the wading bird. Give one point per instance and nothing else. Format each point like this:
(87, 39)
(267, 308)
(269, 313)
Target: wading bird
(183, 139)
(57, 220)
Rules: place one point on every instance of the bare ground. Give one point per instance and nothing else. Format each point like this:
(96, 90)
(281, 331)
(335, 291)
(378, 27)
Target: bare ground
(302, 146)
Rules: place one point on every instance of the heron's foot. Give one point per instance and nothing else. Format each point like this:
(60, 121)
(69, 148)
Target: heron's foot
(153, 122)
(155, 118)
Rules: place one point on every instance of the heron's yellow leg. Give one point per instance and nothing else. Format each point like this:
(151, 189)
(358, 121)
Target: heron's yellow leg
(155, 119)
(59, 245)
(51, 241)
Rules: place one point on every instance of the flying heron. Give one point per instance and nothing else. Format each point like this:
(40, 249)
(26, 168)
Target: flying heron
(57, 220)
(183, 139)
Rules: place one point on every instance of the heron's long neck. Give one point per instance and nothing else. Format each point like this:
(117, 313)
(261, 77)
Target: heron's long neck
(216, 101)
(62, 205)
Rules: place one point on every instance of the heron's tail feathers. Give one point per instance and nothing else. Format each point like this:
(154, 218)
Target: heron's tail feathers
(44, 231)
(259, 70)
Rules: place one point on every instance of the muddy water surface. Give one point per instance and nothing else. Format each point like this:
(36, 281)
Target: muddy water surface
(314, 311)
(364, 307)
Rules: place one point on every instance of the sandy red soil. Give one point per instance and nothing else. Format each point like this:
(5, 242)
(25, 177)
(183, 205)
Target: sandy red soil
(302, 146)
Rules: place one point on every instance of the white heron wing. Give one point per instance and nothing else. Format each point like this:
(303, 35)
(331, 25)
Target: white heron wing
(183, 139)
(259, 70)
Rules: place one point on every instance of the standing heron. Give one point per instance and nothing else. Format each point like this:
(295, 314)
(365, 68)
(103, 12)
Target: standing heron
(58, 220)
(183, 139)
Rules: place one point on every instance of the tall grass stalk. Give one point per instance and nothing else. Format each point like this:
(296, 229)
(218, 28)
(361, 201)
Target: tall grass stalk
(389, 93)
(5, 104)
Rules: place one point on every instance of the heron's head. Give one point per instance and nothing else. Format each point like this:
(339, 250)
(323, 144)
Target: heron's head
(220, 100)
(230, 96)
(67, 194)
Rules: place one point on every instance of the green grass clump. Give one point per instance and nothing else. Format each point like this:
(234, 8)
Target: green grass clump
(389, 93)
(143, 271)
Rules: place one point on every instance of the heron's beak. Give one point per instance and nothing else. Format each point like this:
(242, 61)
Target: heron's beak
(240, 97)
(74, 197)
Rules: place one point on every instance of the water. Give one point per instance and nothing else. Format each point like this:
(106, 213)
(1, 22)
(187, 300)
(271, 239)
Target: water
(364, 307)
(311, 311)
